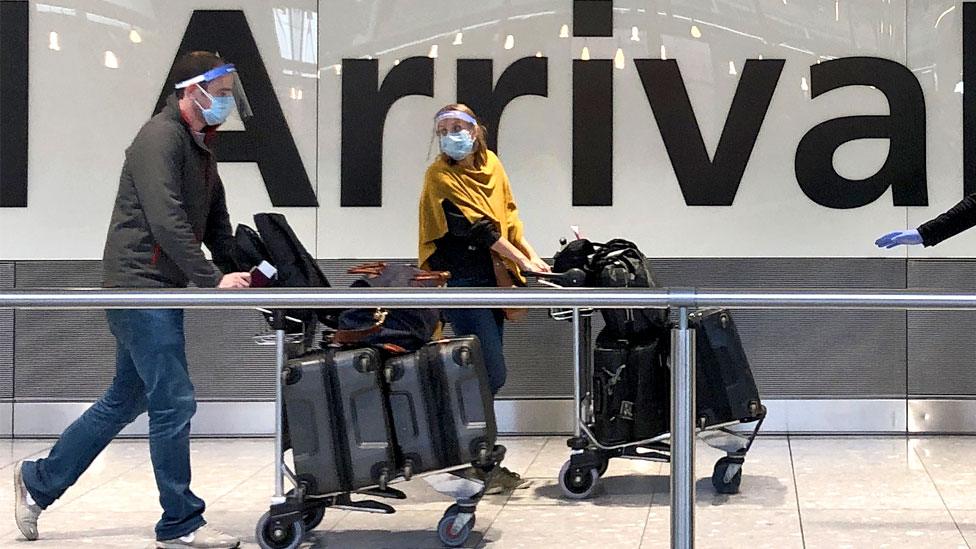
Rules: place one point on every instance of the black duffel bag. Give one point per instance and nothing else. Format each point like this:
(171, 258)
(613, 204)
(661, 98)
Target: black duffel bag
(406, 329)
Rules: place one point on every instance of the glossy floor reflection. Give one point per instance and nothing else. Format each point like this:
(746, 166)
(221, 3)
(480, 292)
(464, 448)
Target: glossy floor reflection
(810, 492)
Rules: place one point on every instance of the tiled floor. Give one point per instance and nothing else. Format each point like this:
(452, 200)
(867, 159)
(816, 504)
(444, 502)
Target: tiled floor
(796, 492)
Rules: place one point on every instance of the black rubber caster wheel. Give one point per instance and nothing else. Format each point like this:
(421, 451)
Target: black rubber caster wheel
(604, 464)
(577, 483)
(727, 475)
(312, 517)
(448, 532)
(284, 536)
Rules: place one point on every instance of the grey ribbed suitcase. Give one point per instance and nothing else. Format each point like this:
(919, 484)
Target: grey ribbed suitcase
(337, 420)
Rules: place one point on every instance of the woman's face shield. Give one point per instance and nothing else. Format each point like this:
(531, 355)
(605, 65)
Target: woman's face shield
(452, 122)
(222, 81)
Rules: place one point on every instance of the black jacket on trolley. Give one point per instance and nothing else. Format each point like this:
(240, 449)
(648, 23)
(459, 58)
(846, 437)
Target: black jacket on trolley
(465, 250)
(960, 217)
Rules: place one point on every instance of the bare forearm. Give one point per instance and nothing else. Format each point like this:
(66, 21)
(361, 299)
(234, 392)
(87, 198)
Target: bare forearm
(508, 250)
(528, 249)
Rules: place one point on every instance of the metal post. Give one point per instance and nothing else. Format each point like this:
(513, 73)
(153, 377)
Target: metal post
(278, 323)
(577, 364)
(683, 434)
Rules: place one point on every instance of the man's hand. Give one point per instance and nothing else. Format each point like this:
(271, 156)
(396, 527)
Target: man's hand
(235, 280)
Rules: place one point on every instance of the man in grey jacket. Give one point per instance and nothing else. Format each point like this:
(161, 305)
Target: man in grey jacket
(170, 200)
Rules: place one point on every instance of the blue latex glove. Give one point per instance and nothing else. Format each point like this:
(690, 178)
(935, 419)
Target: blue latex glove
(899, 238)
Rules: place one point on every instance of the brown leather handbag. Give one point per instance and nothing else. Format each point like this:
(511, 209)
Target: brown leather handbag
(403, 328)
(505, 279)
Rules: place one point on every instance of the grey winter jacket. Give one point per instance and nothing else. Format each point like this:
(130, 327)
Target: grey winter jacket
(170, 200)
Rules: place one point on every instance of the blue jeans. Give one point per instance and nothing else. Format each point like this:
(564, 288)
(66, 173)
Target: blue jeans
(488, 325)
(150, 374)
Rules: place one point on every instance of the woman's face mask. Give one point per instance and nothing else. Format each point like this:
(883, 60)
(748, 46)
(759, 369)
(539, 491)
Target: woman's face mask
(457, 135)
(457, 145)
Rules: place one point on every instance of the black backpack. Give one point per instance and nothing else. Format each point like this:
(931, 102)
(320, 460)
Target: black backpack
(618, 263)
(296, 267)
(251, 250)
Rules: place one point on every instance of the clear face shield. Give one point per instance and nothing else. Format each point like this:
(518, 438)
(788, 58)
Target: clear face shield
(228, 88)
(455, 133)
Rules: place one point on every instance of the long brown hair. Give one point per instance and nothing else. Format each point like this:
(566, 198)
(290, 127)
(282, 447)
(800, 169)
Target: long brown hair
(480, 152)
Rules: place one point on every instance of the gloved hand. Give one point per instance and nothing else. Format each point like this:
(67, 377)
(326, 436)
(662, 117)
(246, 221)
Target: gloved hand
(899, 238)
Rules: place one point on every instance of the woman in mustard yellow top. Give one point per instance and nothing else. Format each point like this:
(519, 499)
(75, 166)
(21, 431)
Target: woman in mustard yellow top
(469, 220)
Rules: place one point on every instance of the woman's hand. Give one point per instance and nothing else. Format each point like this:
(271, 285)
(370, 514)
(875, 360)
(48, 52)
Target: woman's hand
(539, 266)
(535, 265)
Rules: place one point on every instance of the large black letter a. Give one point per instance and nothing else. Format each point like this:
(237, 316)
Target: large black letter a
(266, 139)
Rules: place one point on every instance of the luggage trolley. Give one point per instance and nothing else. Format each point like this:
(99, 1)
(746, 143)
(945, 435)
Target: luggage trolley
(590, 456)
(296, 512)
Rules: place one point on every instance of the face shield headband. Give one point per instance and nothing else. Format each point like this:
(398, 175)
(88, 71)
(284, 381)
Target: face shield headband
(240, 98)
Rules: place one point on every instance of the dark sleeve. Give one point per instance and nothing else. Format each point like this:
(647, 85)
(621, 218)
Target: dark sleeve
(482, 233)
(960, 217)
(154, 161)
(219, 237)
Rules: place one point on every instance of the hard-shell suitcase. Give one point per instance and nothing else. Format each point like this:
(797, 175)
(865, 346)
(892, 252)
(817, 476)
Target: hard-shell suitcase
(338, 420)
(413, 411)
(441, 405)
(726, 388)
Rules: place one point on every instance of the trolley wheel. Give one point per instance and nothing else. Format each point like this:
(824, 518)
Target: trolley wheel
(313, 516)
(446, 531)
(577, 483)
(727, 475)
(604, 464)
(285, 536)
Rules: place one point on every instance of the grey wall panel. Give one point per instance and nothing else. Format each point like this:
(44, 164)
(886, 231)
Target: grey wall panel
(941, 358)
(539, 357)
(781, 272)
(59, 274)
(942, 274)
(70, 355)
(225, 363)
(62, 355)
(6, 336)
(824, 354)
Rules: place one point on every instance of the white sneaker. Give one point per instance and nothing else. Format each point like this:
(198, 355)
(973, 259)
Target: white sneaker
(25, 510)
(203, 537)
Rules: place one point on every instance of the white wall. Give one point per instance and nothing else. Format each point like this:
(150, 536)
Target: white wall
(83, 115)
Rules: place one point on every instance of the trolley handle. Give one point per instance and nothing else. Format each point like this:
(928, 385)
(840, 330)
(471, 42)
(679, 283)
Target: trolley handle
(573, 278)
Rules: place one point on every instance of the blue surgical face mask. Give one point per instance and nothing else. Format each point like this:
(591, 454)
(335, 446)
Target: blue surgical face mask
(220, 108)
(457, 145)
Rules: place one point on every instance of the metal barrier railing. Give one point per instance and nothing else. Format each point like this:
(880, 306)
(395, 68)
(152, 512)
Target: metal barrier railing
(683, 426)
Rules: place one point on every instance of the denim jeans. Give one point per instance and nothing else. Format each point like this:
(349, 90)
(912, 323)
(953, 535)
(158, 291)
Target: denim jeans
(150, 374)
(488, 325)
